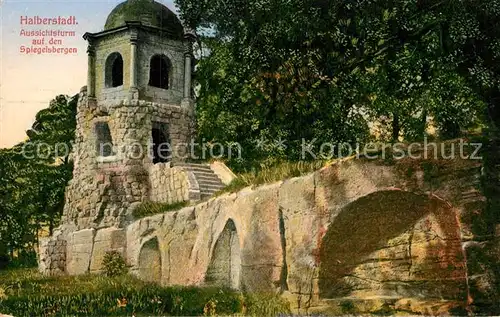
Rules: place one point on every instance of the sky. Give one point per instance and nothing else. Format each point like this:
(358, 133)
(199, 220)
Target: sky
(29, 81)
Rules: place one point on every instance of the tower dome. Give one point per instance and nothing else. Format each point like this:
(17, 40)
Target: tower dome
(148, 12)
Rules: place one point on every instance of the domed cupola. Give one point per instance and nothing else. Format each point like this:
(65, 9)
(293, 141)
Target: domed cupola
(148, 12)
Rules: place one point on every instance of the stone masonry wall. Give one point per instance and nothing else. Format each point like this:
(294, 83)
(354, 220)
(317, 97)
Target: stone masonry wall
(52, 254)
(104, 190)
(168, 185)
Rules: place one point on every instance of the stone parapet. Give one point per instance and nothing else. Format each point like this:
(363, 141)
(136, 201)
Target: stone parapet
(223, 172)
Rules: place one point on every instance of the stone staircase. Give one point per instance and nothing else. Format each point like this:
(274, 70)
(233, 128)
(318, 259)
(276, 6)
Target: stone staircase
(208, 181)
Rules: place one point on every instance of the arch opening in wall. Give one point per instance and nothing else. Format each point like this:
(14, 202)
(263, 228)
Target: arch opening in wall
(224, 269)
(393, 243)
(104, 141)
(159, 72)
(161, 143)
(114, 70)
(150, 262)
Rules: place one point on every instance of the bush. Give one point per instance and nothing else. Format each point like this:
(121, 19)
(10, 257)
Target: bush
(113, 264)
(4, 261)
(266, 305)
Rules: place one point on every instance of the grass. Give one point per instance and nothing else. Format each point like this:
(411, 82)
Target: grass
(153, 208)
(29, 282)
(25, 292)
(276, 173)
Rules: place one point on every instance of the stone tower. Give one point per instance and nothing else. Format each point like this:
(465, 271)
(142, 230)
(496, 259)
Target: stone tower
(135, 124)
(135, 114)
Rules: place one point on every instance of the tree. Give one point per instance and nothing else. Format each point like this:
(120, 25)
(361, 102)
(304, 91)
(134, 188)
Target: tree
(323, 68)
(35, 174)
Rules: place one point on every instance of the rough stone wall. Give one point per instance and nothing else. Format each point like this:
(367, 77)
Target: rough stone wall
(87, 248)
(103, 191)
(108, 239)
(357, 231)
(168, 184)
(80, 249)
(365, 233)
(52, 254)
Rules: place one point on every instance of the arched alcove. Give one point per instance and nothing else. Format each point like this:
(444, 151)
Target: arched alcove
(114, 70)
(225, 264)
(159, 71)
(393, 243)
(104, 141)
(162, 149)
(150, 261)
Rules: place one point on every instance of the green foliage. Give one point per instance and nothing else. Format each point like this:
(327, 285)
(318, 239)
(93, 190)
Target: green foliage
(210, 308)
(34, 177)
(114, 264)
(27, 293)
(325, 70)
(147, 209)
(266, 305)
(347, 307)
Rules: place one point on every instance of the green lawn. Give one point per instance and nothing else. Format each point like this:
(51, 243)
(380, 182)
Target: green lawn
(25, 292)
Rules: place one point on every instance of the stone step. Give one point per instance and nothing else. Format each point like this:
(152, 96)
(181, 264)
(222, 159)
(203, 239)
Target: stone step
(208, 194)
(206, 177)
(204, 173)
(211, 186)
(198, 168)
(210, 189)
(192, 165)
(210, 182)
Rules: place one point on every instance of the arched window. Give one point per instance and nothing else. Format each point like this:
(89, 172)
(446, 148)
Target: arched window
(104, 141)
(159, 71)
(114, 70)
